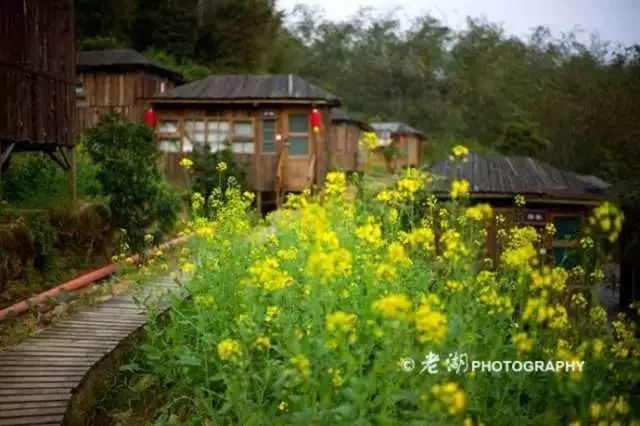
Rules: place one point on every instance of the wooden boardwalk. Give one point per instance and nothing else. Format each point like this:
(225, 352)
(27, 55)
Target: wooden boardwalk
(39, 377)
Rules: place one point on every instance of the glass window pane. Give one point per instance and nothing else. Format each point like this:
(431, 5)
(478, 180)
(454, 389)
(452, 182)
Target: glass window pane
(170, 145)
(298, 146)
(567, 228)
(298, 123)
(168, 126)
(243, 130)
(195, 131)
(218, 133)
(269, 136)
(243, 148)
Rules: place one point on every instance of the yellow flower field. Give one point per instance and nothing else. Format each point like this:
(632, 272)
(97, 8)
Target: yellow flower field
(374, 311)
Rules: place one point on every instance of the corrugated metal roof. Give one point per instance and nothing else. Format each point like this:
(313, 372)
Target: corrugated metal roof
(517, 175)
(250, 87)
(396, 128)
(121, 58)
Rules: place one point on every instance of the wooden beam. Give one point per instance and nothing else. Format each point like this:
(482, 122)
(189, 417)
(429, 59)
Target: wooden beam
(71, 176)
(5, 153)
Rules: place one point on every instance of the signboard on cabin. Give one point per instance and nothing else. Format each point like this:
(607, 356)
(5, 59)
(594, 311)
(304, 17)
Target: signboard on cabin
(269, 115)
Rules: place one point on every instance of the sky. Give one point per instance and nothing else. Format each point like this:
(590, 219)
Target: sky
(614, 20)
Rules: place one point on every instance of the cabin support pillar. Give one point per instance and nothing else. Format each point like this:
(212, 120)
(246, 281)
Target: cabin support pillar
(259, 201)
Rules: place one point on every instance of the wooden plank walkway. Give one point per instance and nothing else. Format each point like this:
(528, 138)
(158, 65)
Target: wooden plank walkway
(38, 377)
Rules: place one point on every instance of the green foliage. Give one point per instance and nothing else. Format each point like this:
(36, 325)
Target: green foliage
(209, 172)
(522, 138)
(140, 200)
(190, 70)
(33, 180)
(100, 43)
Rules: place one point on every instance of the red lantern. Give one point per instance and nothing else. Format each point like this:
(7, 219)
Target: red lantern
(316, 120)
(150, 118)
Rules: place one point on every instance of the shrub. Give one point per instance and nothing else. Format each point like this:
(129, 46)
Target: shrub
(328, 313)
(212, 171)
(140, 200)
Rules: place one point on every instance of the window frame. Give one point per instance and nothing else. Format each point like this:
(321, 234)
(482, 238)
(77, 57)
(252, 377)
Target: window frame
(235, 139)
(171, 135)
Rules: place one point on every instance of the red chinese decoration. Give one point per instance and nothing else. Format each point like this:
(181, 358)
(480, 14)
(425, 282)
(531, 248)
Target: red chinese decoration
(316, 120)
(150, 118)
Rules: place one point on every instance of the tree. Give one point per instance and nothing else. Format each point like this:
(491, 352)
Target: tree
(139, 198)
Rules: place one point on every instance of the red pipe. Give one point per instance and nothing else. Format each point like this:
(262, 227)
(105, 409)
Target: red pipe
(81, 281)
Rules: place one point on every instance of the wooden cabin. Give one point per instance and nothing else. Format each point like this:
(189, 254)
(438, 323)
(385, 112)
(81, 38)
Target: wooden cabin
(120, 81)
(346, 133)
(37, 79)
(407, 143)
(265, 119)
(555, 196)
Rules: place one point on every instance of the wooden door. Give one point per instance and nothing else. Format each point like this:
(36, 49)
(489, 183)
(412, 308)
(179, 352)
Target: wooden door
(298, 151)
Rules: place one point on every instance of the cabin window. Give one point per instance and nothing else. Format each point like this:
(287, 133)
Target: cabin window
(243, 137)
(194, 135)
(565, 242)
(298, 134)
(269, 136)
(170, 145)
(218, 134)
(169, 127)
(298, 123)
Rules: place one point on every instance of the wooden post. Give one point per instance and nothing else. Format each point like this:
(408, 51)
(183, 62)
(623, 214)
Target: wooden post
(259, 201)
(71, 175)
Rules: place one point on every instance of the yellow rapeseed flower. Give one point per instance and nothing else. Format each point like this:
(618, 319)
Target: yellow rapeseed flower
(229, 350)
(301, 364)
(262, 343)
(431, 325)
(460, 188)
(186, 163)
(370, 233)
(395, 306)
(522, 342)
(460, 151)
(479, 212)
(336, 184)
(451, 397)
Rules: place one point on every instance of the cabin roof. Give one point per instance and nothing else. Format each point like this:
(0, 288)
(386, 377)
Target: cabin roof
(338, 115)
(396, 128)
(118, 59)
(505, 175)
(276, 87)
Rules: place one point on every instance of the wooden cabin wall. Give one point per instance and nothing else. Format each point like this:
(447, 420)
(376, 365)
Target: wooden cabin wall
(37, 72)
(262, 166)
(344, 146)
(125, 93)
(170, 163)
